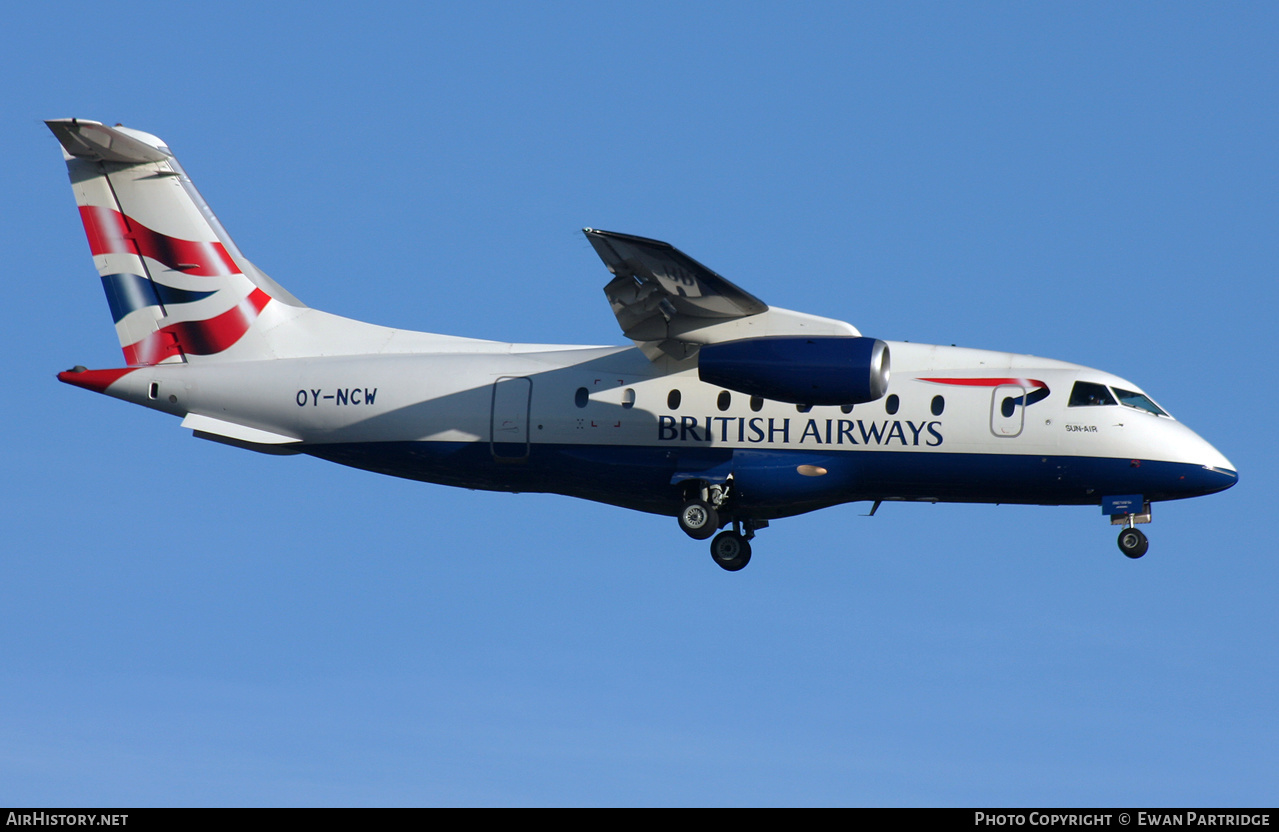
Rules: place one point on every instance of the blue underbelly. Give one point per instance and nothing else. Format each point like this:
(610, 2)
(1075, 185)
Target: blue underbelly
(768, 483)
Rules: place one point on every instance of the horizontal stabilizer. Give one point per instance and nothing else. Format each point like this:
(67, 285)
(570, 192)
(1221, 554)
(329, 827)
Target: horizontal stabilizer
(94, 140)
(231, 430)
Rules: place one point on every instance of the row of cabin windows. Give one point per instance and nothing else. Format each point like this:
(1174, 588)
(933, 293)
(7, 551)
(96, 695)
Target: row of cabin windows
(725, 400)
(1084, 394)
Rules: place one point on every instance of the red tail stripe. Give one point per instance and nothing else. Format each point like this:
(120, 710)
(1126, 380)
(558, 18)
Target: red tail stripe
(110, 232)
(987, 382)
(199, 337)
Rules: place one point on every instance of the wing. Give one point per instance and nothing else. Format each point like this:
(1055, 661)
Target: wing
(668, 303)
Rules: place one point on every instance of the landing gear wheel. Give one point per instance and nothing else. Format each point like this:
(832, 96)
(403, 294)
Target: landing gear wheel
(731, 551)
(698, 519)
(1133, 543)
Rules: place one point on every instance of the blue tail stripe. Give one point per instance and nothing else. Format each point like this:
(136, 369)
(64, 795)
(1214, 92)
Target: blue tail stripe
(130, 292)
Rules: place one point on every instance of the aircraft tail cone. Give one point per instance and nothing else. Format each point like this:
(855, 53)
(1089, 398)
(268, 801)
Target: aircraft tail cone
(96, 380)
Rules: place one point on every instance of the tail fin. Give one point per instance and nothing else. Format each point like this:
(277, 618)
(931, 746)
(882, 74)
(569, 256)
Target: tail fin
(178, 288)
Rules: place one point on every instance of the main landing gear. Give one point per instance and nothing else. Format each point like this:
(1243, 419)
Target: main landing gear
(700, 518)
(731, 549)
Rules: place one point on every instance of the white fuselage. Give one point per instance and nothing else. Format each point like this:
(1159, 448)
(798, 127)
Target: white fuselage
(498, 408)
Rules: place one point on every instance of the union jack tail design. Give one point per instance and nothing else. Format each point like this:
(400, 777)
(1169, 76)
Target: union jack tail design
(178, 288)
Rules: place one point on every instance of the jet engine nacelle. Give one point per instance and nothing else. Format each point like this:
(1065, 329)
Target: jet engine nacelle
(822, 370)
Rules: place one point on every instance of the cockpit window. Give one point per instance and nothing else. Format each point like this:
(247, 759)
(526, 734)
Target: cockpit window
(1088, 394)
(1139, 401)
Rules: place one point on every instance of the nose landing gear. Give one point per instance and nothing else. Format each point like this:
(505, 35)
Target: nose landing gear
(1132, 542)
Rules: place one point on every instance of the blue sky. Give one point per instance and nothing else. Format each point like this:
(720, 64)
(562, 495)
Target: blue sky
(188, 624)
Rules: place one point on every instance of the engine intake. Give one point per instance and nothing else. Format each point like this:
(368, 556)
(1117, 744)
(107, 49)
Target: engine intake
(821, 370)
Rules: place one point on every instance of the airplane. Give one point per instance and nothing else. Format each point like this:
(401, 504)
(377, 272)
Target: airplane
(726, 412)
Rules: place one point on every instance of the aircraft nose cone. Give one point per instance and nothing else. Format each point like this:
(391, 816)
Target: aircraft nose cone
(1219, 473)
(1226, 477)
(1200, 468)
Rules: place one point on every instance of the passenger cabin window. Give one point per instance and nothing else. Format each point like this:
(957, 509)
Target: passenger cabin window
(1137, 400)
(724, 401)
(672, 400)
(891, 404)
(581, 397)
(1088, 394)
(628, 397)
(757, 404)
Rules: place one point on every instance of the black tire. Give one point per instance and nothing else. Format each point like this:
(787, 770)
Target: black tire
(730, 551)
(698, 519)
(1133, 543)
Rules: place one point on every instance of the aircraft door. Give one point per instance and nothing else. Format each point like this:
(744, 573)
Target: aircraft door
(508, 428)
(1008, 410)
